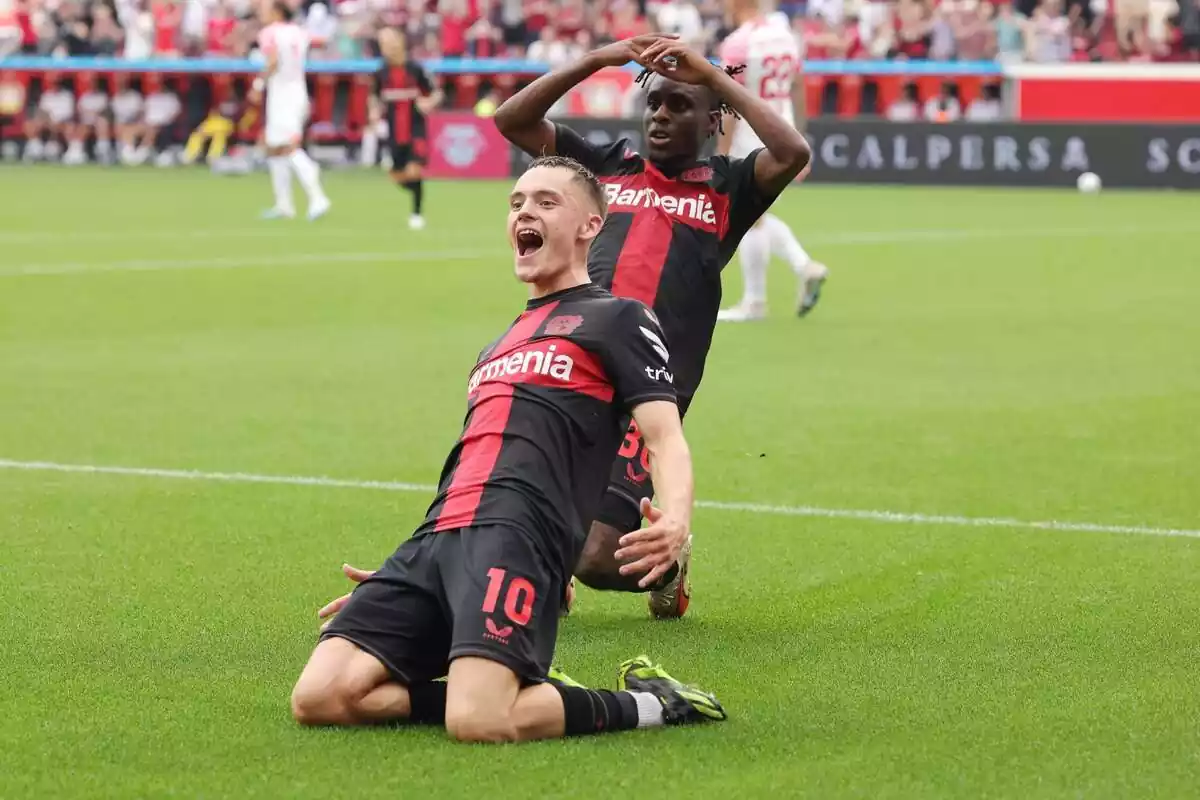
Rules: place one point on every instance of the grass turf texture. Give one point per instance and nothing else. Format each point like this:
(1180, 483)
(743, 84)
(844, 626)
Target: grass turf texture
(984, 353)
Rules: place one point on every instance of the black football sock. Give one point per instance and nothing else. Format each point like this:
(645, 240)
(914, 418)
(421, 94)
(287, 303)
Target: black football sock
(428, 703)
(597, 710)
(417, 189)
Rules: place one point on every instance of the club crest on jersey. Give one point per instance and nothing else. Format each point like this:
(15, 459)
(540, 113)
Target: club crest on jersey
(697, 175)
(563, 325)
(528, 362)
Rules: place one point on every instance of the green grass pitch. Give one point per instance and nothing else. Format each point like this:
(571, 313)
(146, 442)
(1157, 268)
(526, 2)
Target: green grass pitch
(1028, 356)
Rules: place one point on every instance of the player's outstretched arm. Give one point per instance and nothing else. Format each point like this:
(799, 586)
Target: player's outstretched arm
(787, 152)
(655, 548)
(522, 118)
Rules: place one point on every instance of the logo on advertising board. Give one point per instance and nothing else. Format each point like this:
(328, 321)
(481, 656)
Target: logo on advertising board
(460, 144)
(998, 154)
(465, 146)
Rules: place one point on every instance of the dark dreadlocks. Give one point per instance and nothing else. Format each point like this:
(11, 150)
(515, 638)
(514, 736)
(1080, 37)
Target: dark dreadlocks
(732, 70)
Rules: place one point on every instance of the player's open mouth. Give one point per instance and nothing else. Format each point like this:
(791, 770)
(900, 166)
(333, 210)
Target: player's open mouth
(529, 241)
(659, 136)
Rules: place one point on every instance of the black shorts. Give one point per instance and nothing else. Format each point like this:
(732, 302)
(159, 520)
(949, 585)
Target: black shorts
(630, 480)
(483, 591)
(414, 152)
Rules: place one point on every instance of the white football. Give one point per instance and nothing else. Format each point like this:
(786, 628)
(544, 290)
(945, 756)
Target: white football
(1088, 183)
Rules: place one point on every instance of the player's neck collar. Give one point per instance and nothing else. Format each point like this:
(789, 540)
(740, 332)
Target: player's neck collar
(578, 288)
(675, 169)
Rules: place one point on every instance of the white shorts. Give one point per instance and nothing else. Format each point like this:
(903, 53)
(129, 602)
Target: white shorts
(286, 117)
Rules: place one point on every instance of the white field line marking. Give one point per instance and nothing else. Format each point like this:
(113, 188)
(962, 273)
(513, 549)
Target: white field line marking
(278, 260)
(743, 508)
(849, 238)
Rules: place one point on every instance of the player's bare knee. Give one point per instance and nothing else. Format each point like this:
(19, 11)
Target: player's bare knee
(316, 704)
(598, 568)
(476, 728)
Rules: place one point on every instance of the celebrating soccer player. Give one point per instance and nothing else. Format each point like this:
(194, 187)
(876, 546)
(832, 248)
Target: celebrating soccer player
(405, 90)
(675, 221)
(765, 44)
(474, 594)
(285, 45)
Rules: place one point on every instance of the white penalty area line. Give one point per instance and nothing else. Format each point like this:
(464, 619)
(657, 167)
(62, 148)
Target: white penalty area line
(716, 505)
(833, 239)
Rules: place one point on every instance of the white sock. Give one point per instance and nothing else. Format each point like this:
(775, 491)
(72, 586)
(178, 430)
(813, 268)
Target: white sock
(784, 243)
(370, 148)
(309, 174)
(103, 147)
(281, 182)
(754, 253)
(650, 710)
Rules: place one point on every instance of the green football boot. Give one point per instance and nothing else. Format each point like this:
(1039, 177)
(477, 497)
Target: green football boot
(682, 704)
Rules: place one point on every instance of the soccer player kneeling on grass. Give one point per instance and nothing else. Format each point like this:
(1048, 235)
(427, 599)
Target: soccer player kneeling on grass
(474, 595)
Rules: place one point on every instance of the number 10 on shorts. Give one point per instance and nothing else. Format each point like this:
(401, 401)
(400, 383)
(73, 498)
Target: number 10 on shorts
(518, 600)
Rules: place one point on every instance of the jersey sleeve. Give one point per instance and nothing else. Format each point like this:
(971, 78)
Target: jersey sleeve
(747, 202)
(600, 159)
(266, 41)
(424, 84)
(636, 357)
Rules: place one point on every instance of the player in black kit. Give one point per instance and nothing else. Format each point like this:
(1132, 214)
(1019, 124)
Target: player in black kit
(675, 219)
(408, 94)
(474, 594)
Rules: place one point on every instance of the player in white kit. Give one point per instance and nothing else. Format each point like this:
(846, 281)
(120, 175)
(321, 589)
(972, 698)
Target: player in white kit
(284, 44)
(764, 42)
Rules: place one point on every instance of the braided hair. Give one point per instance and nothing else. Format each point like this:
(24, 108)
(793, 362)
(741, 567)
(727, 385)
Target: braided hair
(643, 80)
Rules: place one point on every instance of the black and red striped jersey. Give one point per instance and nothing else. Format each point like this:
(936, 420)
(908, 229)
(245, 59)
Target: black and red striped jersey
(547, 404)
(406, 122)
(666, 239)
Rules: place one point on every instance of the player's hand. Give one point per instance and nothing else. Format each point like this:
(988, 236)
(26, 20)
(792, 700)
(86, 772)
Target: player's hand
(677, 61)
(330, 609)
(618, 54)
(254, 97)
(652, 549)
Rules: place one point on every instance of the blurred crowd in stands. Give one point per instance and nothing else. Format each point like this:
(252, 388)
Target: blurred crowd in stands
(557, 31)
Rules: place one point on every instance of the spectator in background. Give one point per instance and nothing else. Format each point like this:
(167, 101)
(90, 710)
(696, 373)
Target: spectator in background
(10, 29)
(945, 106)
(1048, 37)
(906, 107)
(943, 20)
(1009, 32)
(454, 25)
(91, 120)
(218, 34)
(975, 40)
(913, 28)
(572, 17)
(987, 107)
(138, 22)
(550, 49)
(1130, 17)
(683, 18)
(53, 117)
(76, 39)
(626, 22)
(876, 21)
(537, 16)
(167, 18)
(484, 38)
(107, 37)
